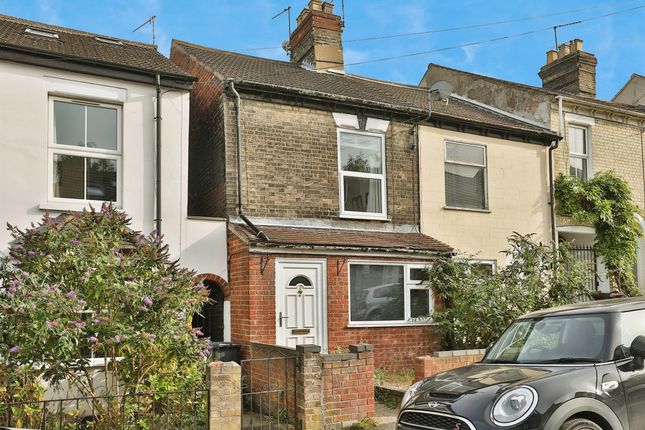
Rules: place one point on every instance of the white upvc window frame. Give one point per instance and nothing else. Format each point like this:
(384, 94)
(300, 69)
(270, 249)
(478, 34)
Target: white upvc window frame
(342, 174)
(408, 285)
(85, 152)
(587, 143)
(483, 262)
(459, 163)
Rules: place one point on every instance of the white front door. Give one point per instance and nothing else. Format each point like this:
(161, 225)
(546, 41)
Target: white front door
(301, 302)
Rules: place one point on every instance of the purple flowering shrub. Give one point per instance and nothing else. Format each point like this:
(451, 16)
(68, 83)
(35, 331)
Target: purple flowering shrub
(85, 285)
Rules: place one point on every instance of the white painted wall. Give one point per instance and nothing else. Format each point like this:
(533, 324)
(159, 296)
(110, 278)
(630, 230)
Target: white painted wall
(24, 113)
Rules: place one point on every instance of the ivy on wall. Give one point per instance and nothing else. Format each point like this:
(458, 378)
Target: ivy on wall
(606, 203)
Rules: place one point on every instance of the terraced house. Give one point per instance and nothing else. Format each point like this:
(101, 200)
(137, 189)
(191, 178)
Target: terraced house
(599, 135)
(88, 118)
(336, 187)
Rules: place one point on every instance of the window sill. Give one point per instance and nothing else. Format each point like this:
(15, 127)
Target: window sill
(71, 206)
(454, 208)
(364, 217)
(390, 325)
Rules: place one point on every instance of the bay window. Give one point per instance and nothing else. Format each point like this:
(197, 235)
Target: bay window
(362, 174)
(84, 151)
(388, 294)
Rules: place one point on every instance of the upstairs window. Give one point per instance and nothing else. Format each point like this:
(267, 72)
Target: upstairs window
(465, 175)
(84, 151)
(362, 175)
(578, 152)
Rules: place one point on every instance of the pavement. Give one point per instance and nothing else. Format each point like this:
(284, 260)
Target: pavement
(386, 417)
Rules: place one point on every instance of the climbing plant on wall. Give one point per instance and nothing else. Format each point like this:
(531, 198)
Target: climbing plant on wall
(606, 203)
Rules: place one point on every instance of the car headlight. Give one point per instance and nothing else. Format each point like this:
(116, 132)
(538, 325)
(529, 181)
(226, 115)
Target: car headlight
(411, 392)
(514, 406)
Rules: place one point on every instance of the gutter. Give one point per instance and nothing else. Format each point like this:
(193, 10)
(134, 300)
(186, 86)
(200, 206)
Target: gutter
(238, 134)
(388, 107)
(92, 67)
(628, 112)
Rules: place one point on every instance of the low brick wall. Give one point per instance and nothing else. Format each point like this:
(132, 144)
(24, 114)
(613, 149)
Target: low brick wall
(442, 361)
(348, 386)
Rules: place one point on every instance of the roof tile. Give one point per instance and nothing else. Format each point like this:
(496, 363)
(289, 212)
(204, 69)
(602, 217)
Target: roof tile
(342, 238)
(334, 85)
(83, 46)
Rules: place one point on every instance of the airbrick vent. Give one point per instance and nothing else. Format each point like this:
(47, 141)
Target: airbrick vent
(42, 32)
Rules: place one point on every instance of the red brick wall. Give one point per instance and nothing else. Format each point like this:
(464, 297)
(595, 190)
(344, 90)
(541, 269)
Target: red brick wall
(443, 361)
(395, 348)
(206, 167)
(253, 311)
(348, 386)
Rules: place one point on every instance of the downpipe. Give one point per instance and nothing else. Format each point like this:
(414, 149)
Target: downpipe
(238, 150)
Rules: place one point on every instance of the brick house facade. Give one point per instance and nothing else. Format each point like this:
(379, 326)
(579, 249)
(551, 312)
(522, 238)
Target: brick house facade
(323, 239)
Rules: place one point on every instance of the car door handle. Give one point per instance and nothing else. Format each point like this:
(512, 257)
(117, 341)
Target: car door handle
(280, 318)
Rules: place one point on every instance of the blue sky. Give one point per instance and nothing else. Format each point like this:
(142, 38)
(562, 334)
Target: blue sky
(618, 41)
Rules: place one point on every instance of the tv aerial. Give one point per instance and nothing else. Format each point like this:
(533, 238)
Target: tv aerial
(286, 45)
(150, 20)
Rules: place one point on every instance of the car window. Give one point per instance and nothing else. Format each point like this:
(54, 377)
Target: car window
(632, 325)
(551, 340)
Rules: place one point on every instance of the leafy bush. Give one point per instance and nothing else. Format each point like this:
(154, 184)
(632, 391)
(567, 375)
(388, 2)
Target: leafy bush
(85, 285)
(605, 201)
(478, 307)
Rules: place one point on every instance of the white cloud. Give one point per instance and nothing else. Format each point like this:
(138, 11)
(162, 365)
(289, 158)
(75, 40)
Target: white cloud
(469, 54)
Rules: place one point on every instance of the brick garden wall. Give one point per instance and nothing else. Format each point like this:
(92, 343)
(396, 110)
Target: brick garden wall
(348, 386)
(341, 386)
(442, 361)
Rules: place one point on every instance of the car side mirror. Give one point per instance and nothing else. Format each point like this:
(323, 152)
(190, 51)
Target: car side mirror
(637, 348)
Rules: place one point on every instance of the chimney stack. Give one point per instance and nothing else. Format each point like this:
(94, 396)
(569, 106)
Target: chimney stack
(570, 69)
(316, 41)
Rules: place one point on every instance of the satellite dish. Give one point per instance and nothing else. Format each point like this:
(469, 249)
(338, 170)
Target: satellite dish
(440, 90)
(286, 45)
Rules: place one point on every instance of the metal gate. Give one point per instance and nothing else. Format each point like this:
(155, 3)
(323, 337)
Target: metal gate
(269, 393)
(587, 256)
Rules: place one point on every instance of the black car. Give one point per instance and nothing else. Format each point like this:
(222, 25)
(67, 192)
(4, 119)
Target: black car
(577, 367)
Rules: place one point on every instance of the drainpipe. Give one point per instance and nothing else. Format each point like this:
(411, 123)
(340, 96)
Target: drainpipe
(560, 116)
(238, 130)
(552, 147)
(158, 149)
(554, 226)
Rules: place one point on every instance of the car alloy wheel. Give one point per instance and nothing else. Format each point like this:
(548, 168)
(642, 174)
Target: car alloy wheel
(580, 424)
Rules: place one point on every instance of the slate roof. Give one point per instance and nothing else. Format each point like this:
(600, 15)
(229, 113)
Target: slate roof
(526, 87)
(83, 46)
(316, 238)
(336, 86)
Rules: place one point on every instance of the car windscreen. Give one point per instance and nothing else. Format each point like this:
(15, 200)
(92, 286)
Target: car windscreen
(555, 339)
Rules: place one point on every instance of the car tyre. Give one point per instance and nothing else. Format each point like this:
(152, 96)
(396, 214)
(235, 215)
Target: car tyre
(580, 424)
